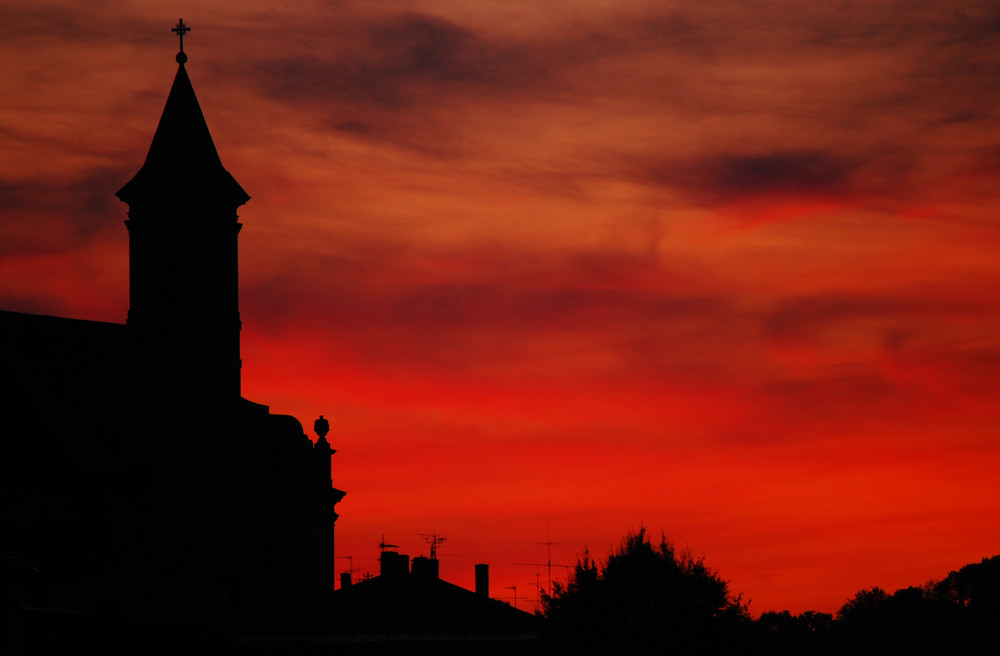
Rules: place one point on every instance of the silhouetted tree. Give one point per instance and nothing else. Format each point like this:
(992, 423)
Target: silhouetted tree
(975, 586)
(648, 599)
(958, 616)
(780, 633)
(863, 607)
(914, 620)
(974, 593)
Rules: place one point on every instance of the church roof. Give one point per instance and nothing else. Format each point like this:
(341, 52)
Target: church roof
(182, 166)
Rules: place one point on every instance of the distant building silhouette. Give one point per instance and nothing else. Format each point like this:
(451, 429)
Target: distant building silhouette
(409, 610)
(137, 486)
(146, 507)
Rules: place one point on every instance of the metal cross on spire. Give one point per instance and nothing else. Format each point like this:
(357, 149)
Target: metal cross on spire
(181, 30)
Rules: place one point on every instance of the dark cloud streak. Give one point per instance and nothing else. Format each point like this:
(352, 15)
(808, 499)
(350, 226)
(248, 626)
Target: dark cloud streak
(73, 22)
(804, 317)
(404, 62)
(55, 215)
(724, 177)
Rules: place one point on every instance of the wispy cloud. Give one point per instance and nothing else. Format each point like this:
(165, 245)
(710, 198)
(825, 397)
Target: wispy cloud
(520, 215)
(45, 215)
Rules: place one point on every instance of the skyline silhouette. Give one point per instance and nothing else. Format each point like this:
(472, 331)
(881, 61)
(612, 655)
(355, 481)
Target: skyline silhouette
(726, 273)
(142, 496)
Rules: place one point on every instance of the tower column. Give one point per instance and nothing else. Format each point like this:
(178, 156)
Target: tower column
(183, 228)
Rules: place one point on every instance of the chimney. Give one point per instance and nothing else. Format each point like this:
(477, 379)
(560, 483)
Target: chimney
(426, 568)
(345, 580)
(392, 564)
(483, 580)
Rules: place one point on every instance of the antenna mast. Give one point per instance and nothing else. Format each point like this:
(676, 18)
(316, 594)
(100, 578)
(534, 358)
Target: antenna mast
(434, 540)
(382, 544)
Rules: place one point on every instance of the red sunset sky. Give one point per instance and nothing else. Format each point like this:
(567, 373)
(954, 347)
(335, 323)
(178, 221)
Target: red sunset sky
(554, 270)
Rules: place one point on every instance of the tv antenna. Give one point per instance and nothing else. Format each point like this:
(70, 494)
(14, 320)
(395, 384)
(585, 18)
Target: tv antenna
(548, 564)
(383, 544)
(548, 557)
(350, 565)
(538, 589)
(434, 540)
(514, 588)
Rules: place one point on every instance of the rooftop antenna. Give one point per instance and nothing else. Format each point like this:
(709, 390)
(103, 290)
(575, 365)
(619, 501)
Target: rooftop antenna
(548, 544)
(548, 561)
(549, 565)
(434, 540)
(383, 544)
(538, 589)
(350, 565)
(514, 588)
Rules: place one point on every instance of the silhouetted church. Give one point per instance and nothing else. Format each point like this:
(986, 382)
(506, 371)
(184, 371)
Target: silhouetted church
(136, 484)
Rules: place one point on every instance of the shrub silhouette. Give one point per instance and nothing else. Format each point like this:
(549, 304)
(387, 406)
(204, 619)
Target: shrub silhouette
(646, 599)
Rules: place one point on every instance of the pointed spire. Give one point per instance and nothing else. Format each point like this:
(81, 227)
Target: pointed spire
(183, 166)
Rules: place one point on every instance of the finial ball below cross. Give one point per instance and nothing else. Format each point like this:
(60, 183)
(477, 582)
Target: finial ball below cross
(181, 30)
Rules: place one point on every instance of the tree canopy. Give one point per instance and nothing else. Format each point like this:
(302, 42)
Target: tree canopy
(645, 598)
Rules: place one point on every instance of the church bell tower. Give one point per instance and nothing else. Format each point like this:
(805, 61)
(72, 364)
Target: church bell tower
(183, 264)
